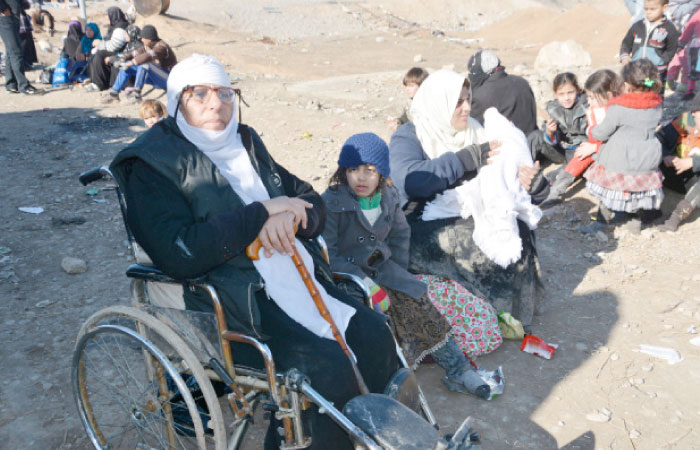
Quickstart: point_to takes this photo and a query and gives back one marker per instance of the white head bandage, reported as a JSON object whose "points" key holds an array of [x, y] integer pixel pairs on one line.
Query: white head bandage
{"points": [[197, 69]]}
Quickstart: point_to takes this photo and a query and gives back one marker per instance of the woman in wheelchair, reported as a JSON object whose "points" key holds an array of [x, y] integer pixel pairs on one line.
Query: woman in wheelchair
{"points": [[200, 187]]}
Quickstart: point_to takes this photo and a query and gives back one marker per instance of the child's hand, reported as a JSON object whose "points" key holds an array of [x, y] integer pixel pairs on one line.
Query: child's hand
{"points": [[668, 160], [682, 164], [96, 42], [551, 128], [585, 150], [625, 60]]}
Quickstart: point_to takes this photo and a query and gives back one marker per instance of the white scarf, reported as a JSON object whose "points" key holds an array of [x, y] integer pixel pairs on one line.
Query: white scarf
{"points": [[432, 109], [495, 198], [283, 283]]}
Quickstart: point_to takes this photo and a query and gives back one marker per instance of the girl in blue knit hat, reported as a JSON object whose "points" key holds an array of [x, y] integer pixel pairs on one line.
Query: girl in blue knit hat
{"points": [[368, 236]]}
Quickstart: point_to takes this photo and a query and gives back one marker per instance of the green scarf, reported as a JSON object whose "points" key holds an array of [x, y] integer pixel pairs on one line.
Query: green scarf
{"points": [[370, 202]]}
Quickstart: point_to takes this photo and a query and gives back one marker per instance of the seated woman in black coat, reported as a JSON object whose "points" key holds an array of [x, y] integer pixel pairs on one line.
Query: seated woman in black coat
{"points": [[441, 148], [200, 187]]}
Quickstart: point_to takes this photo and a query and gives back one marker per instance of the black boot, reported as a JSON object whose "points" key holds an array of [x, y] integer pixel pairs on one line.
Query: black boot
{"points": [[683, 210]]}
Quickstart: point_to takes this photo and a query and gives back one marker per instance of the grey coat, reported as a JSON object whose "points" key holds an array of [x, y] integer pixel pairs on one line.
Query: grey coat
{"points": [[352, 241], [631, 146]]}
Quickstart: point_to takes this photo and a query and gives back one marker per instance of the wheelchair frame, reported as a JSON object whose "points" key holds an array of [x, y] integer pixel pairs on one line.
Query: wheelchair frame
{"points": [[290, 393]]}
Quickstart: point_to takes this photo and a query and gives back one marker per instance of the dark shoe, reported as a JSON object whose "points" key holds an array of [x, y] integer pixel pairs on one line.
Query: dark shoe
{"points": [[12, 90], [31, 90]]}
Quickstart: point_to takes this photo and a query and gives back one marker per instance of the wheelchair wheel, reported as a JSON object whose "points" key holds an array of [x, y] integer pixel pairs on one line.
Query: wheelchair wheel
{"points": [[138, 385]]}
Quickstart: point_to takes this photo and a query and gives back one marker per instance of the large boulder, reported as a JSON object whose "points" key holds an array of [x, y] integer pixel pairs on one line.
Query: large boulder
{"points": [[560, 56]]}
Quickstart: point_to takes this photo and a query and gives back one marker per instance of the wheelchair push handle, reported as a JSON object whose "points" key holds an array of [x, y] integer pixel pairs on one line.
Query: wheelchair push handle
{"points": [[94, 174], [253, 250]]}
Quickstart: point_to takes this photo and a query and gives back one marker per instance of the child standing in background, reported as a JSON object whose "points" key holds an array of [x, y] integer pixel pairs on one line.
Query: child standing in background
{"points": [[411, 82], [600, 88], [687, 60], [152, 112], [626, 177], [565, 128], [368, 236], [654, 38]]}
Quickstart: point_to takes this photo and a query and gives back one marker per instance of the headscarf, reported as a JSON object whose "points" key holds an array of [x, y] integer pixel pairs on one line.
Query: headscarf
{"points": [[225, 149], [117, 19], [432, 109], [481, 65], [73, 38], [86, 42]]}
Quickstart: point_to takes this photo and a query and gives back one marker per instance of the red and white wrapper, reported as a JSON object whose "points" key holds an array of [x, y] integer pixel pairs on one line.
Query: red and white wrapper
{"points": [[536, 346]]}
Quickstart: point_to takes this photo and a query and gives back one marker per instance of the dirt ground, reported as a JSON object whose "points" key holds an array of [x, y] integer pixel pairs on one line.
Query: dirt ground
{"points": [[315, 72]]}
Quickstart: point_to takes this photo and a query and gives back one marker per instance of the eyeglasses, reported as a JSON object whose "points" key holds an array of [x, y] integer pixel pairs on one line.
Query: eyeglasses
{"points": [[202, 93]]}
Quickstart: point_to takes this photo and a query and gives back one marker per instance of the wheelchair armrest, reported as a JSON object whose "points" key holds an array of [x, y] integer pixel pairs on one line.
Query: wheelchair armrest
{"points": [[354, 279], [150, 273]]}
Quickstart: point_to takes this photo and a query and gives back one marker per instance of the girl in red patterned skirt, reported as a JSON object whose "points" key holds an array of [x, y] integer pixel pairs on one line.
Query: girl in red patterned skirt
{"points": [[625, 176]]}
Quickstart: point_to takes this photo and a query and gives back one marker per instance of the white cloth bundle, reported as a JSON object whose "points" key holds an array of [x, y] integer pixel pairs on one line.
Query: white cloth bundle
{"points": [[495, 198]]}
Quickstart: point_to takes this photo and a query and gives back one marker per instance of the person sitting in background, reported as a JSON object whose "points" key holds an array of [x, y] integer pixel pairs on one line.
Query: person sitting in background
{"points": [[151, 65], [411, 82], [152, 112], [492, 86], [92, 32], [114, 41], [680, 142]]}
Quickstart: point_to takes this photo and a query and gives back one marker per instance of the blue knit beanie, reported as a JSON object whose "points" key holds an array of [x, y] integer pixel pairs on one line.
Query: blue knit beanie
{"points": [[365, 148]]}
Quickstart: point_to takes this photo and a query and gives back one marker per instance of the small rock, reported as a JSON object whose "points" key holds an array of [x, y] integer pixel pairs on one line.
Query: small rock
{"points": [[581, 346], [44, 303], [598, 417], [418, 58], [588, 255], [634, 434], [561, 423], [379, 39], [601, 237], [614, 357], [73, 265]]}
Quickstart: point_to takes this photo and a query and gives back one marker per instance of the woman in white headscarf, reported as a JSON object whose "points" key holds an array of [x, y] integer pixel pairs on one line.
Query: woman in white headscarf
{"points": [[440, 149], [200, 187]]}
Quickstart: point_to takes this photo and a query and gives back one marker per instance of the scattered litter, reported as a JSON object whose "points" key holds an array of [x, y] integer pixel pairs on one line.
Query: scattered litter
{"points": [[691, 330], [99, 200], [92, 191], [31, 209], [536, 346], [44, 303], [695, 341], [510, 327], [495, 380], [5, 250], [670, 355], [305, 135]]}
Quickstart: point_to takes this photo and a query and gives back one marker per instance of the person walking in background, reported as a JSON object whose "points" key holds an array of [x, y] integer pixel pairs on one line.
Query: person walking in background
{"points": [[15, 81]]}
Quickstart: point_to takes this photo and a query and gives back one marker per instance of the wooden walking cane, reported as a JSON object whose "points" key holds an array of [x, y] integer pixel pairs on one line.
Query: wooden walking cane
{"points": [[252, 251]]}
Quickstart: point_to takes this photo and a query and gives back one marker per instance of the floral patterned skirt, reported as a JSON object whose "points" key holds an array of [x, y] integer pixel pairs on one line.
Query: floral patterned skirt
{"points": [[474, 321]]}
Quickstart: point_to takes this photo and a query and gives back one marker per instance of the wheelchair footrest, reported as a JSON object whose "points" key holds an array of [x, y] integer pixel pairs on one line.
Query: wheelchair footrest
{"points": [[391, 424]]}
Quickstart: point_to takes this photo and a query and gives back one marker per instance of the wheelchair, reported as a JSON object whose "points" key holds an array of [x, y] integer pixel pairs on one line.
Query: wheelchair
{"points": [[153, 375]]}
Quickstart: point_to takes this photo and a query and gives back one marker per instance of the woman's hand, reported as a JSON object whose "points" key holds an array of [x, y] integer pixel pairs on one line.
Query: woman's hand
{"points": [[277, 234], [585, 150], [551, 128], [526, 174], [296, 206], [682, 164], [96, 42]]}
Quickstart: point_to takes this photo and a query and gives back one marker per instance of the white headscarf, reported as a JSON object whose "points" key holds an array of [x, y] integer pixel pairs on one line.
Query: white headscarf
{"points": [[225, 148], [432, 109]]}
